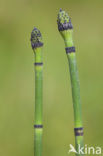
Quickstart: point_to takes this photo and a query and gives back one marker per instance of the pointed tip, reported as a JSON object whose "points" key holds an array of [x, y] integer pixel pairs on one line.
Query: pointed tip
{"points": [[35, 28], [60, 10]]}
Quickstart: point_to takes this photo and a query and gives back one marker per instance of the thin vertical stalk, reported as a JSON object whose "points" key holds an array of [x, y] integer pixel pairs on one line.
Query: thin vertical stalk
{"points": [[38, 127], [65, 27]]}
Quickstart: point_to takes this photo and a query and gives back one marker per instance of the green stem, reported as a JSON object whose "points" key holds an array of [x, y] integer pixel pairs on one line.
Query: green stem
{"points": [[65, 28], [76, 98], [75, 92], [38, 86], [36, 43], [38, 102]]}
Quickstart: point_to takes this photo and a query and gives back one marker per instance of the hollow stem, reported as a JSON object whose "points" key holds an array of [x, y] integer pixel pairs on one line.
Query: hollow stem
{"points": [[66, 29], [38, 54]]}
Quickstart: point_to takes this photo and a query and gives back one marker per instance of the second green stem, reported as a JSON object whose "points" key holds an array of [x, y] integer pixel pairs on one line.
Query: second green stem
{"points": [[75, 93]]}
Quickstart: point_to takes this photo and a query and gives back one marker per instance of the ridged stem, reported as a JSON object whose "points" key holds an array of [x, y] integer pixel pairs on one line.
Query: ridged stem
{"points": [[75, 91], [38, 102]]}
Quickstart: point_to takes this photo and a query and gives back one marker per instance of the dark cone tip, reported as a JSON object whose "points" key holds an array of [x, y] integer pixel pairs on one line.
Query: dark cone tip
{"points": [[36, 38], [64, 21]]}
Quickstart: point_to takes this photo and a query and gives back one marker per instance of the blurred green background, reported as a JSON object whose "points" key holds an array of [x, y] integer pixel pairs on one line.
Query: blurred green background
{"points": [[17, 19]]}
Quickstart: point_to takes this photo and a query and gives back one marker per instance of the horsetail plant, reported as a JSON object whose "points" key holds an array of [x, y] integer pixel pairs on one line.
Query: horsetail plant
{"points": [[37, 44], [66, 30]]}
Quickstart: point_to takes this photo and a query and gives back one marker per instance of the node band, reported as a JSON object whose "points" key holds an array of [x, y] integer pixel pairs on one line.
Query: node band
{"points": [[38, 126], [78, 131], [38, 63], [70, 49]]}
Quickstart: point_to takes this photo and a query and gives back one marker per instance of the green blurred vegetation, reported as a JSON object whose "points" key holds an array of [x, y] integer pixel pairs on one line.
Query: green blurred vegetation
{"points": [[17, 19]]}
